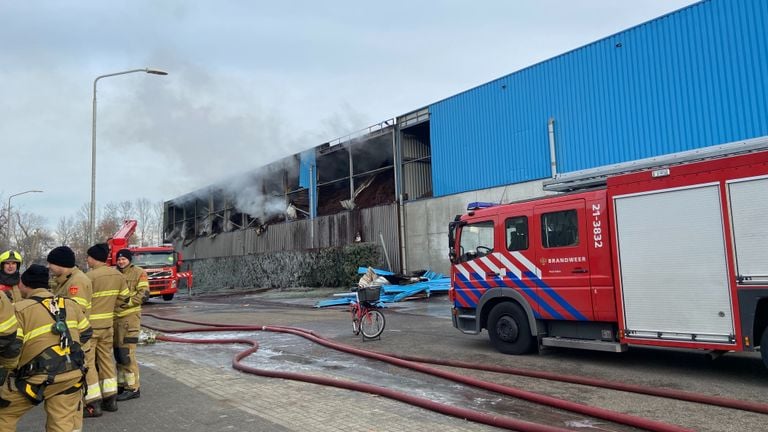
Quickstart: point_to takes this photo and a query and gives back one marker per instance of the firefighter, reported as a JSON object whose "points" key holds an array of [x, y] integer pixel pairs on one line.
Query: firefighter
{"points": [[9, 343], [51, 362], [9, 274], [109, 291], [128, 325], [69, 281]]}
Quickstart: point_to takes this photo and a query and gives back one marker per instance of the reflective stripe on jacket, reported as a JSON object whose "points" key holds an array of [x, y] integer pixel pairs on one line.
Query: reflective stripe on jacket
{"points": [[109, 291], [77, 286], [138, 288]]}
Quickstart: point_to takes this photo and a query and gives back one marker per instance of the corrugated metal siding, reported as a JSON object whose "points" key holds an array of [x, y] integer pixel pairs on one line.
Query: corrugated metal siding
{"points": [[330, 231], [382, 221], [417, 175], [413, 148], [417, 179], [690, 79]]}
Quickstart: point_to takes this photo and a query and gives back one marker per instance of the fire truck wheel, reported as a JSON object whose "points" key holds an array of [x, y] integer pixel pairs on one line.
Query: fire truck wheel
{"points": [[508, 329], [167, 297], [764, 347]]}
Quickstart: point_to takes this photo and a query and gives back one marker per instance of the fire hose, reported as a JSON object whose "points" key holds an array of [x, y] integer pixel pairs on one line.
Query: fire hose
{"points": [[416, 363]]}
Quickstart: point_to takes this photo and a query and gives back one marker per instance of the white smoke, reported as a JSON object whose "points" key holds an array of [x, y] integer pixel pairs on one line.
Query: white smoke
{"points": [[248, 198]]}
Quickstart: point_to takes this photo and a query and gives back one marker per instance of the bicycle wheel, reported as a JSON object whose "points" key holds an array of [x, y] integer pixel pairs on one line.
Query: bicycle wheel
{"points": [[355, 320], [372, 324]]}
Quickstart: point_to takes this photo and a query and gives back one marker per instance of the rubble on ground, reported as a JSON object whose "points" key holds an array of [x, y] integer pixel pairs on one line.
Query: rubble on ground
{"points": [[394, 287]]}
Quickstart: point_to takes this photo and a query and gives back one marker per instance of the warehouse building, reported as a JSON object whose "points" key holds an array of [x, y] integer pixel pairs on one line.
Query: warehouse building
{"points": [[688, 80]]}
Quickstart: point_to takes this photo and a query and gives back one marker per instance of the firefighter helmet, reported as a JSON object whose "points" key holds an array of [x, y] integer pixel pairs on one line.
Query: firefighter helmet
{"points": [[10, 256]]}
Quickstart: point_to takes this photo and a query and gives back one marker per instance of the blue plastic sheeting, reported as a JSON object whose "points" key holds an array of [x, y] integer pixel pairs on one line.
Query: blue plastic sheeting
{"points": [[434, 283], [307, 160], [364, 270]]}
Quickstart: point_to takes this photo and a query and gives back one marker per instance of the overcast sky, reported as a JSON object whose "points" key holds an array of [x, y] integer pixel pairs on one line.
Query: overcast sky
{"points": [[249, 81]]}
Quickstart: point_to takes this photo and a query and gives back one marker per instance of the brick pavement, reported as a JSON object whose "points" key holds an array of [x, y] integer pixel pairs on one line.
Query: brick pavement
{"points": [[298, 406], [165, 405], [185, 395]]}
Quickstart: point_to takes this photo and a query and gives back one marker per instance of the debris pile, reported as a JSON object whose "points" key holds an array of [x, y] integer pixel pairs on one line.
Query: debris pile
{"points": [[394, 287]]}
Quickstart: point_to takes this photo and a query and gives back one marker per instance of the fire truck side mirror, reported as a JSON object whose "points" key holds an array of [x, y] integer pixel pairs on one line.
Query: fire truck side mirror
{"points": [[452, 239], [452, 256]]}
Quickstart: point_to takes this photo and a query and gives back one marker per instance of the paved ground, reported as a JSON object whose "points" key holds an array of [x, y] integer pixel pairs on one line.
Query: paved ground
{"points": [[194, 396], [193, 388], [166, 405]]}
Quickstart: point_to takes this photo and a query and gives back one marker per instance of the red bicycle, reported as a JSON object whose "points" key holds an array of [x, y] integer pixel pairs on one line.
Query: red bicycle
{"points": [[366, 316]]}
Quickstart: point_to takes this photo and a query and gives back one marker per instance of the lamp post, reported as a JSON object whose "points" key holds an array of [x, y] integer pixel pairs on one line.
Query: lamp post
{"points": [[8, 217], [92, 213]]}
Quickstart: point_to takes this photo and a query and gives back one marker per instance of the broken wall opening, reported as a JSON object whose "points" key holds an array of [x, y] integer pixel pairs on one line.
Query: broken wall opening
{"points": [[373, 181], [416, 161]]}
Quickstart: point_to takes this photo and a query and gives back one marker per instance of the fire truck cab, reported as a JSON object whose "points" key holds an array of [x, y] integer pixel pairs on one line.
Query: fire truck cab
{"points": [[675, 256], [162, 263]]}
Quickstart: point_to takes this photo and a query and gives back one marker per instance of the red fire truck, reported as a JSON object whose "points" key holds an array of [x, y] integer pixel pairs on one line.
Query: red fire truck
{"points": [[675, 256], [162, 263]]}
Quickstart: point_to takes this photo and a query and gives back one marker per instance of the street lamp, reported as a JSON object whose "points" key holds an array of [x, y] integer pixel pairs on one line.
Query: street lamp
{"points": [[92, 214], [8, 217]]}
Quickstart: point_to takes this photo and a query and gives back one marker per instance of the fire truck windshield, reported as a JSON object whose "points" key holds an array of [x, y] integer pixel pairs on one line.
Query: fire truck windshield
{"points": [[153, 259]]}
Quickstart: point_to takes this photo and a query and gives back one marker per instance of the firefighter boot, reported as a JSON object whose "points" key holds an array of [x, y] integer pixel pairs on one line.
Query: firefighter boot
{"points": [[129, 394], [92, 409], [109, 403]]}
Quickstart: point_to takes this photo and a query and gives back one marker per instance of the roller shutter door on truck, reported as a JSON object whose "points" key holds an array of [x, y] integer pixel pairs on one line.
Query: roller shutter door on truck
{"points": [[673, 266], [749, 210]]}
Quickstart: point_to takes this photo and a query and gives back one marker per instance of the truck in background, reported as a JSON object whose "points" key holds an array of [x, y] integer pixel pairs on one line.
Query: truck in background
{"points": [[162, 263], [672, 256]]}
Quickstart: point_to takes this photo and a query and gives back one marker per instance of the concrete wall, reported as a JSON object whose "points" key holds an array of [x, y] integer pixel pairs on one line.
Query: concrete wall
{"points": [[426, 234]]}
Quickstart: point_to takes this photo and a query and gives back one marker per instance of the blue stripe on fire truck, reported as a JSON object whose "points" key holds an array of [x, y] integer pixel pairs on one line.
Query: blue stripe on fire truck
{"points": [[532, 294], [467, 299], [482, 282], [523, 288], [477, 285], [470, 287], [556, 297]]}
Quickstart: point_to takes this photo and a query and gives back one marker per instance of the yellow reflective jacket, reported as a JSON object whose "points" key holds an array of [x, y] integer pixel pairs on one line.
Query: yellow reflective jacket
{"points": [[8, 326], [138, 290], [76, 286], [12, 292], [35, 328], [109, 292]]}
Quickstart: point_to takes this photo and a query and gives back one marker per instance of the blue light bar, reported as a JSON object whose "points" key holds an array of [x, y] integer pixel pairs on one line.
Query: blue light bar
{"points": [[479, 205]]}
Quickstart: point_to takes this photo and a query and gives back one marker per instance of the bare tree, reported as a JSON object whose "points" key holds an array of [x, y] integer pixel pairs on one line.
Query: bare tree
{"points": [[157, 222], [66, 230], [125, 210], [79, 240], [5, 240], [32, 238], [143, 209], [109, 222]]}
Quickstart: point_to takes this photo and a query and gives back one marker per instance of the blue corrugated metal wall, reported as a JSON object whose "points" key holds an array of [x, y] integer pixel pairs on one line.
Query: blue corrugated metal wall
{"points": [[693, 78]]}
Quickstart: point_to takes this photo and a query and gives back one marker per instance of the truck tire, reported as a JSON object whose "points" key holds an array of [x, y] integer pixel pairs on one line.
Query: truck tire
{"points": [[508, 329], [167, 297], [764, 347]]}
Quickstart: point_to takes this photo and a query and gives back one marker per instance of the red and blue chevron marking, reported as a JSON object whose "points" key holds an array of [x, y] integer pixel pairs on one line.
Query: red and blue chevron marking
{"points": [[536, 292]]}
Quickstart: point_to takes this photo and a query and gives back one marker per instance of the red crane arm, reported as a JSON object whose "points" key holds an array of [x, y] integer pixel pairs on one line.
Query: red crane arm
{"points": [[120, 239]]}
